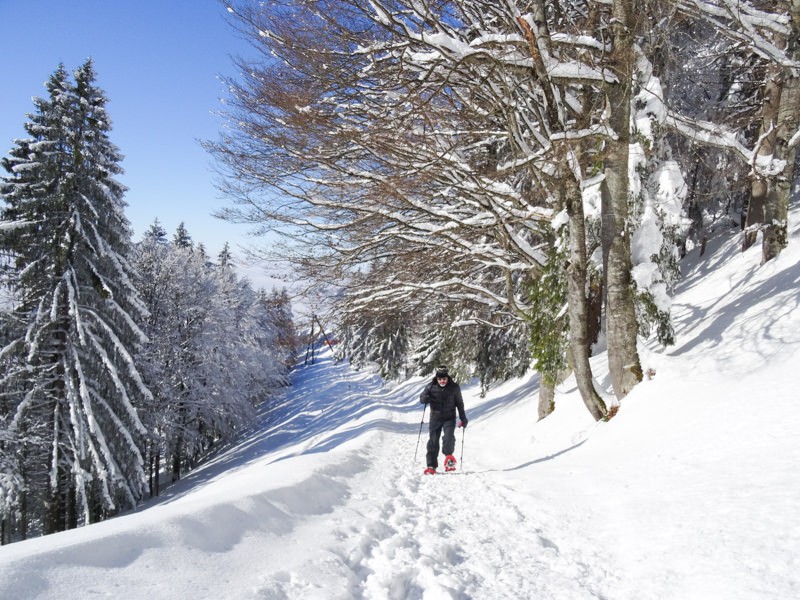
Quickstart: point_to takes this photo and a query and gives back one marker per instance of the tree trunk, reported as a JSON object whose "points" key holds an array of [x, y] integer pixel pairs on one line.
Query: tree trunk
{"points": [[595, 309], [158, 472], [54, 498], [23, 517], [578, 305], [621, 326], [776, 210], [755, 212], [176, 459], [780, 115], [150, 464], [547, 391], [154, 466], [547, 395], [761, 188], [56, 504], [70, 504]]}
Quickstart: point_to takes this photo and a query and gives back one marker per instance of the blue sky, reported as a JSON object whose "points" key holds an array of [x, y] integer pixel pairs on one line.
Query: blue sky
{"points": [[159, 62]]}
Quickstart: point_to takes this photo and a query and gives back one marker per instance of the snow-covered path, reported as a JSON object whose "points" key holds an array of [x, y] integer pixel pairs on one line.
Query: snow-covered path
{"points": [[399, 534], [465, 536], [325, 501]]}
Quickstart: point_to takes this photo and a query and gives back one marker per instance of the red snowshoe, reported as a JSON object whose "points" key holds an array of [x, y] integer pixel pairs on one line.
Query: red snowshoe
{"points": [[429, 471], [449, 463]]}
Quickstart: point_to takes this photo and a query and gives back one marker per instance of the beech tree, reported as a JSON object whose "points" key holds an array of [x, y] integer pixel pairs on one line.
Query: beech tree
{"points": [[403, 136]]}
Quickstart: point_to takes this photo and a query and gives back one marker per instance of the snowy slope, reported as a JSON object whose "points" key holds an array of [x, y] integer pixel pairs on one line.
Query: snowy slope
{"points": [[690, 492]]}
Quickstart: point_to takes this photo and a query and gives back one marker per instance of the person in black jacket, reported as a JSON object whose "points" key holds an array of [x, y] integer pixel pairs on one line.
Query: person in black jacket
{"points": [[444, 397]]}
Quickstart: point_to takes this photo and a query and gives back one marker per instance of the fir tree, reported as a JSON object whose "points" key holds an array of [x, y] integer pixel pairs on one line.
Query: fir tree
{"points": [[182, 239], [156, 233], [225, 258], [74, 383]]}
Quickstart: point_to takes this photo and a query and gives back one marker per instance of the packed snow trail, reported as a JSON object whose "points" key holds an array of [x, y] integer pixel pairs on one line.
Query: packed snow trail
{"points": [[450, 535], [536, 515], [460, 536]]}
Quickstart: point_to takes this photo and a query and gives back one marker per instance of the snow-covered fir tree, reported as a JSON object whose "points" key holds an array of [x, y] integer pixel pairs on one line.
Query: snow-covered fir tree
{"points": [[212, 356], [181, 238], [156, 232], [275, 310], [72, 388], [225, 258]]}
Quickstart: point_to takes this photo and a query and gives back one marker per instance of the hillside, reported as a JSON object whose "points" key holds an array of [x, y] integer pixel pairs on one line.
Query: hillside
{"points": [[690, 492]]}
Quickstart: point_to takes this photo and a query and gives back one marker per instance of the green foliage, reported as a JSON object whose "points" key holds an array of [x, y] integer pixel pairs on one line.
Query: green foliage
{"points": [[649, 316], [548, 319]]}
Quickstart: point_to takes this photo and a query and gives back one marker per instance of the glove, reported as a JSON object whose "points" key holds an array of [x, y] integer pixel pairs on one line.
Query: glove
{"points": [[463, 423]]}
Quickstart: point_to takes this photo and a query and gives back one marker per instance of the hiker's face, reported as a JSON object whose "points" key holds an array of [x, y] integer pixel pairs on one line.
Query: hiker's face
{"points": [[442, 381]]}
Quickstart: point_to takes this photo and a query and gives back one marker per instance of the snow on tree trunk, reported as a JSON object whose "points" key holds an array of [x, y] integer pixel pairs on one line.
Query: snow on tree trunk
{"points": [[769, 200], [776, 209]]}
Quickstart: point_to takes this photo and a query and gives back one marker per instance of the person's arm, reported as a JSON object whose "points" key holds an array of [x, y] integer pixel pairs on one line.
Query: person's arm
{"points": [[462, 414], [424, 397]]}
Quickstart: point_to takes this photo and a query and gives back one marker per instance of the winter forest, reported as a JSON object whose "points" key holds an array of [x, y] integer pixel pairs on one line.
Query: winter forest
{"points": [[494, 185], [122, 363]]}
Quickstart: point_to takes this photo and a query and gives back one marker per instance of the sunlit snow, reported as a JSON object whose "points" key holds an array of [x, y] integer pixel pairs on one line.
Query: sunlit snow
{"points": [[690, 492]]}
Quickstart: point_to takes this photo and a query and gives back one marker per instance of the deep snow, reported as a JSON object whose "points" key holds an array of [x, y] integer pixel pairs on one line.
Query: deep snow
{"points": [[692, 491]]}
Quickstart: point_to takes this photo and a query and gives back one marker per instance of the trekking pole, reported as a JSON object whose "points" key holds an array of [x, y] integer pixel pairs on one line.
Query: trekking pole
{"points": [[424, 406], [463, 435]]}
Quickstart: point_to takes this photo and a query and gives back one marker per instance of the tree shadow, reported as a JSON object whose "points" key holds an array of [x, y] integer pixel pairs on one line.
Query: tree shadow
{"points": [[547, 458], [774, 294], [309, 417]]}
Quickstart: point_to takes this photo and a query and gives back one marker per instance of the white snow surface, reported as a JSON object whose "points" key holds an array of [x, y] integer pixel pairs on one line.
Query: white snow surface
{"points": [[690, 492]]}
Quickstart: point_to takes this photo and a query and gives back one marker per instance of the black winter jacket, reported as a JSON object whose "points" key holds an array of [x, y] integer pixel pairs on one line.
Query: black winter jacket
{"points": [[444, 400]]}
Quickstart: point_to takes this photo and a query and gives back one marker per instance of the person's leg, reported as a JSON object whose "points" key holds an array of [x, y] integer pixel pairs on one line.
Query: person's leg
{"points": [[435, 431], [449, 439]]}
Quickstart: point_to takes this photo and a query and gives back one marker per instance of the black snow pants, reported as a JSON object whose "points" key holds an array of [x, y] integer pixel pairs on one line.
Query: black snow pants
{"points": [[437, 427]]}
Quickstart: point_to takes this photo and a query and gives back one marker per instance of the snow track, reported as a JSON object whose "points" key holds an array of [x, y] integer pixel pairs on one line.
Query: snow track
{"points": [[402, 535]]}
